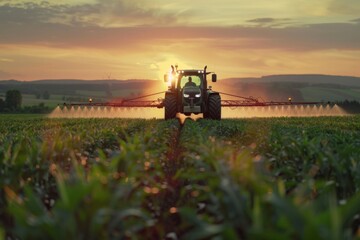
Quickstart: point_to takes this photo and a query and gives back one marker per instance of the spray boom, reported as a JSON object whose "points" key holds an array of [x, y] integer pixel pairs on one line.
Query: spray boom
{"points": [[204, 100]]}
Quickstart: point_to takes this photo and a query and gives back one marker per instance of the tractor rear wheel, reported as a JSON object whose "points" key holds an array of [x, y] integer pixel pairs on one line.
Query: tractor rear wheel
{"points": [[170, 107], [205, 115], [214, 107]]}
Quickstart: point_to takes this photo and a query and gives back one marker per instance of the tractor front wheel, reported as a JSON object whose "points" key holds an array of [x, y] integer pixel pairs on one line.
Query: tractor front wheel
{"points": [[214, 107], [170, 107]]}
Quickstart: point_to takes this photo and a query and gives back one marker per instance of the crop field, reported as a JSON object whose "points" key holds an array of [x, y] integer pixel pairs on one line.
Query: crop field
{"points": [[330, 94], [261, 178], [31, 100]]}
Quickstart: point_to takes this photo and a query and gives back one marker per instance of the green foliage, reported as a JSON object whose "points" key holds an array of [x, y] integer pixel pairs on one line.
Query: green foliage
{"points": [[284, 178], [46, 95], [13, 99], [2, 105]]}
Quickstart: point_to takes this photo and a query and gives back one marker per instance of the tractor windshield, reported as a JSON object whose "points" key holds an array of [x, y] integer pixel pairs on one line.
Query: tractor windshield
{"points": [[184, 80]]}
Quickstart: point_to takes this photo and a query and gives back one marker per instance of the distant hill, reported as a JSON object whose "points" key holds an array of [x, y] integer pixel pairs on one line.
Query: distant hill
{"points": [[305, 87], [76, 86], [312, 79], [76, 90], [308, 87]]}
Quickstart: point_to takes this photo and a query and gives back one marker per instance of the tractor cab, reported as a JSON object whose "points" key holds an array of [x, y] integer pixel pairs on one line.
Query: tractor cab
{"points": [[190, 85], [186, 78]]}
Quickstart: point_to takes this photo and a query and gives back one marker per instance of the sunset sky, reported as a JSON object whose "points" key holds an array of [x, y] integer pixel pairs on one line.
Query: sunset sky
{"points": [[127, 39]]}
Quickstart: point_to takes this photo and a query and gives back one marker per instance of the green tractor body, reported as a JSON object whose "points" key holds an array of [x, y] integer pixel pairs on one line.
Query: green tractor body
{"points": [[189, 93]]}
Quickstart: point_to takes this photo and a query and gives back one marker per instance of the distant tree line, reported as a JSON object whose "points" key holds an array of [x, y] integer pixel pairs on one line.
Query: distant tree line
{"points": [[350, 106], [43, 95], [81, 99], [13, 101]]}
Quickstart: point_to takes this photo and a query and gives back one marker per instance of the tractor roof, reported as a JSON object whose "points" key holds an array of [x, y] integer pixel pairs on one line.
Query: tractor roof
{"points": [[190, 71]]}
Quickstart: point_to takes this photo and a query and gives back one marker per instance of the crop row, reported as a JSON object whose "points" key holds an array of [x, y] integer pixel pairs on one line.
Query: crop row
{"points": [[85, 179], [274, 179], [149, 179]]}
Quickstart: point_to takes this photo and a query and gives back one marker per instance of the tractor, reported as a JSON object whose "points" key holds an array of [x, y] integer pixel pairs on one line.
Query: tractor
{"points": [[189, 93]]}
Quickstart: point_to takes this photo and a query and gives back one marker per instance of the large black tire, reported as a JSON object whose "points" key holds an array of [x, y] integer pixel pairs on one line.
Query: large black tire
{"points": [[170, 106], [214, 107], [205, 115]]}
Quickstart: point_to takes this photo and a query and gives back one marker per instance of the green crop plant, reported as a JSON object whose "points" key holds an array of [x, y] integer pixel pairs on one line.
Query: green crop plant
{"points": [[276, 178]]}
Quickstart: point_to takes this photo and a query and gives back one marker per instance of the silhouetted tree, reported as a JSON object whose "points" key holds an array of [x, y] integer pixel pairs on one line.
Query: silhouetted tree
{"points": [[2, 104], [41, 108], [350, 106], [13, 99]]}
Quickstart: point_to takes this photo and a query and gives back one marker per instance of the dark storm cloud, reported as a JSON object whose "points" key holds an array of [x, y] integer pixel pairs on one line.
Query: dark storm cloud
{"points": [[271, 22], [112, 12], [309, 37], [261, 20], [268, 20], [344, 36], [28, 13], [42, 25], [132, 10]]}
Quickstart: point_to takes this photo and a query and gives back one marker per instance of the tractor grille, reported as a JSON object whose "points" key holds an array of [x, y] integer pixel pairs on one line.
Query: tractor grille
{"points": [[192, 95]]}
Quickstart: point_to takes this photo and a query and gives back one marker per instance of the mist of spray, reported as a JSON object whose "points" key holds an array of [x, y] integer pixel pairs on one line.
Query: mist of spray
{"points": [[237, 112], [284, 111], [107, 112]]}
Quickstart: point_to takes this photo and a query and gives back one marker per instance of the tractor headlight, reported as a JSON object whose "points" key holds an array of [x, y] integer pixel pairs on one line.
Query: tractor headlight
{"points": [[198, 95], [186, 95]]}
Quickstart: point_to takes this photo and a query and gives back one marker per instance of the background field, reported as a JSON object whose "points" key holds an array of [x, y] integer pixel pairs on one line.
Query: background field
{"points": [[270, 88], [31, 100], [283, 178], [330, 94]]}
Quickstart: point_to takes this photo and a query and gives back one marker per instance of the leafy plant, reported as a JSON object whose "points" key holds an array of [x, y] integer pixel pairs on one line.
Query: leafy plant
{"points": [[280, 178]]}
